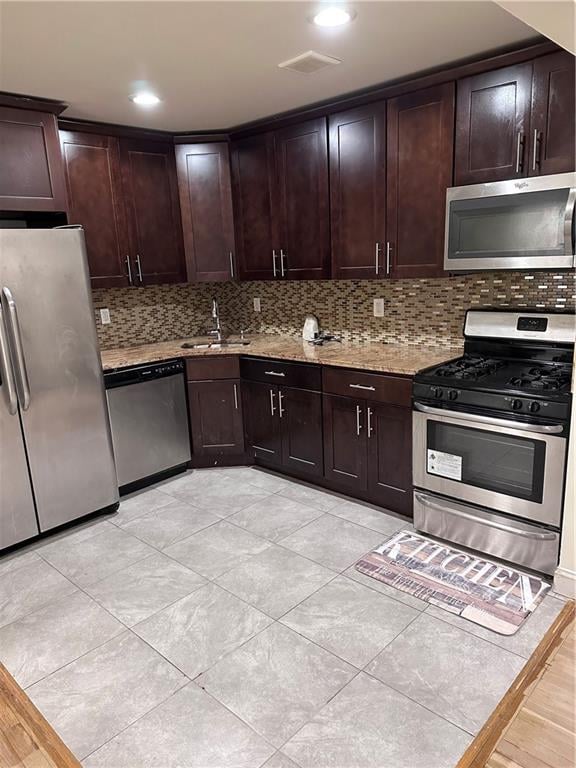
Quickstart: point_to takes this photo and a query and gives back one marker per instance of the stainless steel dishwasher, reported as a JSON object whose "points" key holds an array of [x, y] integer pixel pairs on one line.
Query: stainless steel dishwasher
{"points": [[149, 421]]}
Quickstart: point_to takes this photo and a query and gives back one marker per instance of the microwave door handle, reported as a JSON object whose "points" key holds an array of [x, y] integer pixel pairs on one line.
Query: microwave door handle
{"points": [[6, 369], [428, 502], [553, 429], [570, 224]]}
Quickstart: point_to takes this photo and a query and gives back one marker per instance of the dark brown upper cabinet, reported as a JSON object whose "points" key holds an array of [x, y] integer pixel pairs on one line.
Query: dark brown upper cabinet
{"points": [[31, 172], [255, 211], [206, 207], [492, 124], [92, 169], [281, 203], [357, 141], [153, 213], [420, 142], [552, 125], [301, 154]]}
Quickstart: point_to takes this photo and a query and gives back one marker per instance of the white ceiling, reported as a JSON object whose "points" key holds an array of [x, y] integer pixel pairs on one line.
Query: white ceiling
{"points": [[214, 64]]}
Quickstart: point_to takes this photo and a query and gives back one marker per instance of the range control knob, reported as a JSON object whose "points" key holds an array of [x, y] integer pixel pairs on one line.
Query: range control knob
{"points": [[452, 394], [516, 405], [534, 407], [437, 392]]}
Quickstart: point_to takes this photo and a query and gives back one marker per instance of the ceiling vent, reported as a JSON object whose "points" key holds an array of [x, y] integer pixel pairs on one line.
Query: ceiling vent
{"points": [[309, 62]]}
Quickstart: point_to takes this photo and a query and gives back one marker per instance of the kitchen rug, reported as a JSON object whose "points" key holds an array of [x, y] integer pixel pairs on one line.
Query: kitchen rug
{"points": [[493, 595]]}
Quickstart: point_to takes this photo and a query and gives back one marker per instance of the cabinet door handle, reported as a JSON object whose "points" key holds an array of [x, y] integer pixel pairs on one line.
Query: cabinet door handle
{"points": [[274, 373], [388, 259], [282, 257], [272, 406], [274, 256], [362, 386], [139, 265], [282, 411], [377, 266], [129, 270], [231, 257], [519, 152], [536, 149], [236, 396], [358, 424], [370, 427]]}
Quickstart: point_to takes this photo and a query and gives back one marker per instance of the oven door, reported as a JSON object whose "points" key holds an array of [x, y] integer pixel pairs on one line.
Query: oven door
{"points": [[483, 461]]}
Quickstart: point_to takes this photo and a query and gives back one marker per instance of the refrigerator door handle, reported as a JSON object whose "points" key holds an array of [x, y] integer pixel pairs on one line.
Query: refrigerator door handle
{"points": [[6, 369], [16, 338]]}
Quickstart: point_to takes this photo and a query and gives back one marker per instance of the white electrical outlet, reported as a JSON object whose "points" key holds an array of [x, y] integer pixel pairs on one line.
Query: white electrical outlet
{"points": [[257, 305], [378, 307], [105, 316]]}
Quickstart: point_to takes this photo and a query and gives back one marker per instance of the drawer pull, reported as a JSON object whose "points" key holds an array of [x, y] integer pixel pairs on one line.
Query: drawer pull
{"points": [[362, 386], [274, 373]]}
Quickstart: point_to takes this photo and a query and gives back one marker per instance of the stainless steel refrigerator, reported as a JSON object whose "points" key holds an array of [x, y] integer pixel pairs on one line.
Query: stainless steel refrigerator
{"points": [[56, 460]]}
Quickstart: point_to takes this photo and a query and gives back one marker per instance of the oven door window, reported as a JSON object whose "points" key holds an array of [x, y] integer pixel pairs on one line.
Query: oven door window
{"points": [[494, 461], [511, 226]]}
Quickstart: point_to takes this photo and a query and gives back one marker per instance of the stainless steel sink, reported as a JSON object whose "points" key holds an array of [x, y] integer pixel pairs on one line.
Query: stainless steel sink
{"points": [[213, 344]]}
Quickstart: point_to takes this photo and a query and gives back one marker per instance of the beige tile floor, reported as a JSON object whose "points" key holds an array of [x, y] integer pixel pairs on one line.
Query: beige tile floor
{"points": [[217, 621]]}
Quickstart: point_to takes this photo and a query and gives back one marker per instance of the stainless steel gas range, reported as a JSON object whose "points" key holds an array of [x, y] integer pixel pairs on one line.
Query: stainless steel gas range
{"points": [[490, 436]]}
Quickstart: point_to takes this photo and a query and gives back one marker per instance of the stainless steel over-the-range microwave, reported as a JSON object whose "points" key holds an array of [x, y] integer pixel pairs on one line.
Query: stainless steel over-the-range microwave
{"points": [[517, 224]]}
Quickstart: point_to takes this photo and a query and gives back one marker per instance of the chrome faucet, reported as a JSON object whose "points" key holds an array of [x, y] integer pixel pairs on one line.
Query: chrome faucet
{"points": [[217, 330]]}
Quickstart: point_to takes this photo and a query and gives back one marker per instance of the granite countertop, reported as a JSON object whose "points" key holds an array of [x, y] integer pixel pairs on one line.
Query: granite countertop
{"points": [[380, 357]]}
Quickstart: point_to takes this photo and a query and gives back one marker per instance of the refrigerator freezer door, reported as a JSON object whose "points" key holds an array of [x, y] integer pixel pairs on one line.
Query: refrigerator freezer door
{"points": [[65, 423], [17, 513]]}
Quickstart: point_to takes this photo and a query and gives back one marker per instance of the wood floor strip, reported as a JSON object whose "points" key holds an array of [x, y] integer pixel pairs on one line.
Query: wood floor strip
{"points": [[480, 750], [27, 740]]}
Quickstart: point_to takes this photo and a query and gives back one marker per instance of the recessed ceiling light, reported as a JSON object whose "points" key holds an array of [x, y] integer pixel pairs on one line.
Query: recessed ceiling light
{"points": [[333, 16], [145, 99]]}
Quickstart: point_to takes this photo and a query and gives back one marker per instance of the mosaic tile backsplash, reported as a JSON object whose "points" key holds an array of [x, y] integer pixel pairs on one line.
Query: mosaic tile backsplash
{"points": [[425, 311]]}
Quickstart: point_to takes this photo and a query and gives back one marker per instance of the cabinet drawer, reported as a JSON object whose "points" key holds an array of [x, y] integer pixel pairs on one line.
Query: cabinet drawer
{"points": [[301, 375], [205, 368], [368, 386]]}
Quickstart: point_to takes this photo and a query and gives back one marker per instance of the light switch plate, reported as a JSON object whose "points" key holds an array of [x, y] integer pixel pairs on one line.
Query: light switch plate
{"points": [[378, 307], [257, 305], [105, 316]]}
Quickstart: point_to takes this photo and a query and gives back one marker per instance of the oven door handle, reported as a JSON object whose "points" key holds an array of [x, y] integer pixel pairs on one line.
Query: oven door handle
{"points": [[427, 502], [553, 429]]}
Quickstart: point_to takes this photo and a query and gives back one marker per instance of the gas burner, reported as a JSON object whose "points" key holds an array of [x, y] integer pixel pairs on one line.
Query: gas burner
{"points": [[470, 367], [542, 378]]}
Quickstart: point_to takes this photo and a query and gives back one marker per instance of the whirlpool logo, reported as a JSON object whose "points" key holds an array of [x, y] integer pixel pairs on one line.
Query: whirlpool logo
{"points": [[521, 184]]}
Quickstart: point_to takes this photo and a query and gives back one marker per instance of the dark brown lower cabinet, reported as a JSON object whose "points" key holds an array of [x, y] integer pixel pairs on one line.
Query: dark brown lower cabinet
{"points": [[215, 408], [345, 457], [300, 415], [261, 423], [367, 450], [389, 437], [359, 446], [284, 427], [216, 417]]}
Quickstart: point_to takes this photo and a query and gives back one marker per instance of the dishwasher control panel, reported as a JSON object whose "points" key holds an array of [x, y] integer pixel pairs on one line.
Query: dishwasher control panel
{"points": [[140, 373]]}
